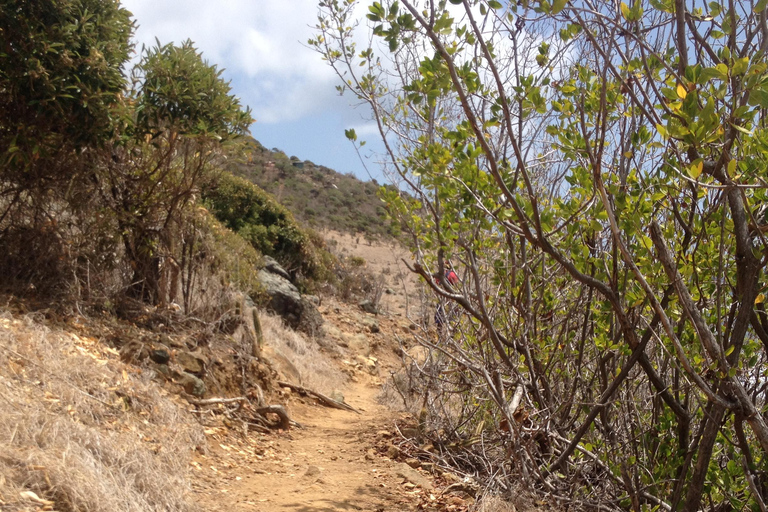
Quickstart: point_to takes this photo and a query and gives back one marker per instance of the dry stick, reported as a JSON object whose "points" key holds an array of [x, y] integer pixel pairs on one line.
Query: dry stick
{"points": [[285, 420], [327, 401], [214, 401]]}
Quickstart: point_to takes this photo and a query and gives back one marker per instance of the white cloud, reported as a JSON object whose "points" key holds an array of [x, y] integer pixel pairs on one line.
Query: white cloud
{"points": [[259, 42]]}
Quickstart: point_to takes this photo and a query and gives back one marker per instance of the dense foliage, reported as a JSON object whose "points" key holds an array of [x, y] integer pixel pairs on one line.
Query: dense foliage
{"points": [[595, 172], [99, 175]]}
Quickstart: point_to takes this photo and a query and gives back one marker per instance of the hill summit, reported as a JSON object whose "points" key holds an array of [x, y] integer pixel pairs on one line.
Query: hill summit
{"points": [[318, 196]]}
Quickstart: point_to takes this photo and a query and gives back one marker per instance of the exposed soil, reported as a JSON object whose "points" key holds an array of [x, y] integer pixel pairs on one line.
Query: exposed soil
{"points": [[339, 460], [328, 465]]}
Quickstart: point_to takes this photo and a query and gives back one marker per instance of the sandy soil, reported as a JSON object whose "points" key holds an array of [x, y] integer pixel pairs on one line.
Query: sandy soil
{"points": [[328, 465], [339, 460]]}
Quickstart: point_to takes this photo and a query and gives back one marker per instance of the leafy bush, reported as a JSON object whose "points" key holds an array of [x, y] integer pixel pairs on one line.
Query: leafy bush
{"points": [[268, 226]]}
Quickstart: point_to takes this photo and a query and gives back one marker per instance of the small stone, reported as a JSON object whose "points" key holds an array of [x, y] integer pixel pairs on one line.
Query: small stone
{"points": [[190, 363], [369, 307], [337, 395], [370, 454], [411, 475], [393, 451], [162, 370], [192, 384], [312, 471], [450, 477], [160, 356], [414, 463]]}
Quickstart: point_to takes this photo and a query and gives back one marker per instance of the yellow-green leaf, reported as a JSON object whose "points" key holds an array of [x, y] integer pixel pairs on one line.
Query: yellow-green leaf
{"points": [[732, 167], [760, 299], [662, 131], [624, 11], [681, 91], [694, 171]]}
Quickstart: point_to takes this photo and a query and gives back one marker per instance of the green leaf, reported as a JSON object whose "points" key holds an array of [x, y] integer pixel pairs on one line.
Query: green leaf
{"points": [[760, 6], [350, 134], [559, 5], [494, 4], [742, 129], [740, 66], [708, 74], [662, 131]]}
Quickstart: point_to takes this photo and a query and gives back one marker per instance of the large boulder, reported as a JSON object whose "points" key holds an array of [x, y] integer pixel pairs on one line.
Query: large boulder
{"points": [[285, 300]]}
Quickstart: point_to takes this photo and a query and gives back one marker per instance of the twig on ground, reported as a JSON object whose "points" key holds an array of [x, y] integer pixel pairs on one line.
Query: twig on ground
{"points": [[325, 400], [214, 401]]}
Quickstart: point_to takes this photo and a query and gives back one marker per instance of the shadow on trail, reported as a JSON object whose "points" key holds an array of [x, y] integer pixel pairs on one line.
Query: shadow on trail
{"points": [[367, 498]]}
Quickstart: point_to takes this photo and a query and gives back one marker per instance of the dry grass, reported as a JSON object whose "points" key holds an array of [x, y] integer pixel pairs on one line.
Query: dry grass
{"points": [[83, 430], [316, 368]]}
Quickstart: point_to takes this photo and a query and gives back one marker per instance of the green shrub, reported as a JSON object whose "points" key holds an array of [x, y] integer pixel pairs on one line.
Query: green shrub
{"points": [[267, 226]]}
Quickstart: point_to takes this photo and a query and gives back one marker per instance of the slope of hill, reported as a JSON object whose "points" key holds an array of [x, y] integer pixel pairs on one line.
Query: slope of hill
{"points": [[318, 196]]}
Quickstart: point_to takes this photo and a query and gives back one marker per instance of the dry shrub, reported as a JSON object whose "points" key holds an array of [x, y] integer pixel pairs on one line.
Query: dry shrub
{"points": [[517, 500], [316, 369], [495, 504], [85, 431]]}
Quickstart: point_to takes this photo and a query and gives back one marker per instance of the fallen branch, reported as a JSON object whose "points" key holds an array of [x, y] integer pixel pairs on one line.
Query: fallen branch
{"points": [[279, 411], [214, 401], [325, 400]]}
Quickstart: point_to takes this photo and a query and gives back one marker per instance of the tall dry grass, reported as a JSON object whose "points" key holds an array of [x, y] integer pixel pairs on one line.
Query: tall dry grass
{"points": [[83, 430], [315, 367]]}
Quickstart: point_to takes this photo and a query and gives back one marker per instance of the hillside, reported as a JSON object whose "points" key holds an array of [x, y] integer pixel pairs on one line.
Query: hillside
{"points": [[318, 197]]}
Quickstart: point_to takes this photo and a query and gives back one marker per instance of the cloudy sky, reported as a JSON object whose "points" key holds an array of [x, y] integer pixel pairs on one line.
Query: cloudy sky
{"points": [[262, 46]]}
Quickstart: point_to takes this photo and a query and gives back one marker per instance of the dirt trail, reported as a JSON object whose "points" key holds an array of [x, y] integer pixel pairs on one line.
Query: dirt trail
{"points": [[340, 460], [328, 465]]}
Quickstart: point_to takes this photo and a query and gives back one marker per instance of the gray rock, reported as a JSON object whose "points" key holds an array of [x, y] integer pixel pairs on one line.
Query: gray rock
{"points": [[162, 371], [311, 321], [160, 356], [191, 384], [271, 265], [368, 306], [411, 475], [286, 301], [337, 395]]}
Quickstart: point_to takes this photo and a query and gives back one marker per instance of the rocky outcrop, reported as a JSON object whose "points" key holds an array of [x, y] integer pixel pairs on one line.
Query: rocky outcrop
{"points": [[298, 312]]}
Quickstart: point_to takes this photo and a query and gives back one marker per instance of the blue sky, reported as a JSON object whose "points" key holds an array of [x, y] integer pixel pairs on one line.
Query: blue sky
{"points": [[262, 46]]}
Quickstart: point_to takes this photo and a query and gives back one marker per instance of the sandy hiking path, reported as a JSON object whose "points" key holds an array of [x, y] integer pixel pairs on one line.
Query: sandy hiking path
{"points": [[331, 464]]}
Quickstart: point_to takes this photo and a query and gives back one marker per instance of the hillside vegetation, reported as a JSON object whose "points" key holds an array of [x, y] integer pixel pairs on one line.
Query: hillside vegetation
{"points": [[319, 197]]}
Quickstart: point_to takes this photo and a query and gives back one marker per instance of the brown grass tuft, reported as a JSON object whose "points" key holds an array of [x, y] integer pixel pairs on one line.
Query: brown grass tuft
{"points": [[83, 430], [316, 369]]}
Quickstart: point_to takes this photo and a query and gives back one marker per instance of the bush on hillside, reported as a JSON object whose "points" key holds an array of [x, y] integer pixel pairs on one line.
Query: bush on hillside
{"points": [[267, 225]]}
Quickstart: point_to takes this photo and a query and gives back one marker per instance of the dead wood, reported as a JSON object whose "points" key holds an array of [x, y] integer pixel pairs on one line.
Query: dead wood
{"points": [[325, 400], [280, 412], [214, 401]]}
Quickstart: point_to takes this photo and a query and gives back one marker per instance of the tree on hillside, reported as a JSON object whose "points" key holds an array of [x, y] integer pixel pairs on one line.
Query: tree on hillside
{"points": [[595, 170], [61, 88], [185, 123]]}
